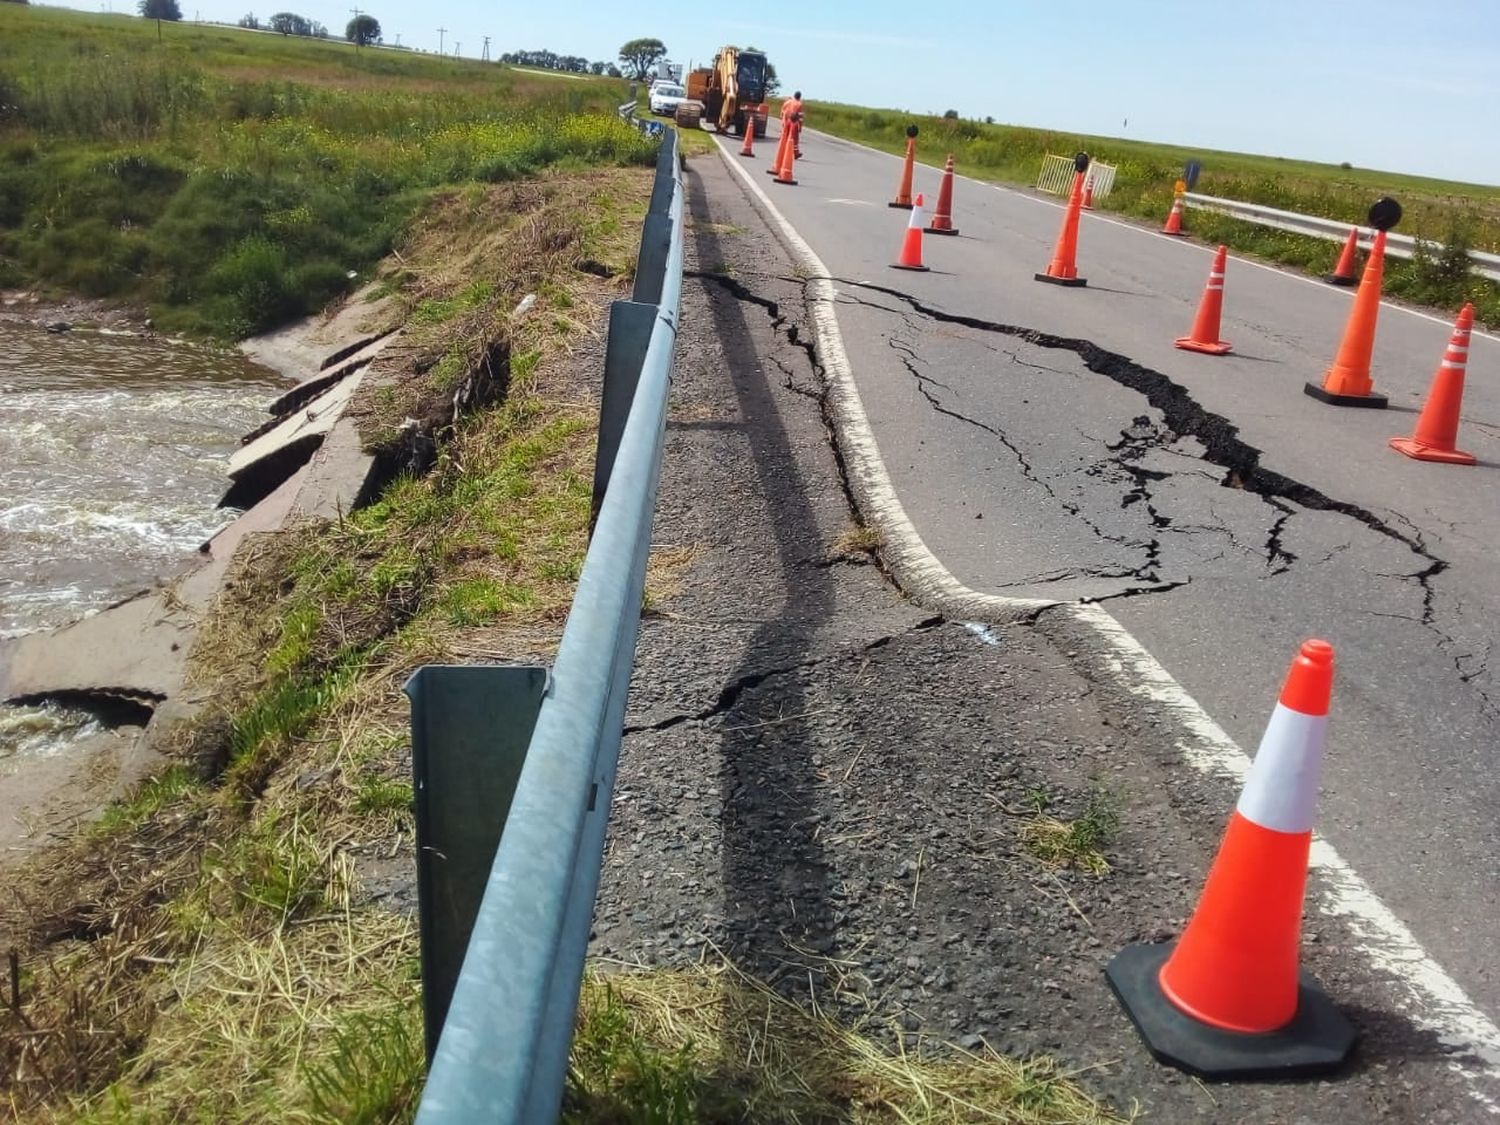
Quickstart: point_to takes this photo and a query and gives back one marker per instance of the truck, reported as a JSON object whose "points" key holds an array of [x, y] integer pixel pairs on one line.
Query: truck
{"points": [[732, 90]]}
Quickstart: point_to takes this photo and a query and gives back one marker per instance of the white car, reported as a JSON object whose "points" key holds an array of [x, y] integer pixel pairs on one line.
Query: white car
{"points": [[666, 97]]}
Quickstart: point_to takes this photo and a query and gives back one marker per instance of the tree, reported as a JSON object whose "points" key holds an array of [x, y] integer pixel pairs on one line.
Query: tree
{"points": [[640, 55], [161, 10], [290, 23], [597, 67], [950, 115], [613, 71], [249, 21], [362, 30]]}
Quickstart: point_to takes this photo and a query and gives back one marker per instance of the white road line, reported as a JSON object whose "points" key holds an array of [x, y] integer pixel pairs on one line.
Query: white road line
{"points": [[1433, 999], [1094, 216]]}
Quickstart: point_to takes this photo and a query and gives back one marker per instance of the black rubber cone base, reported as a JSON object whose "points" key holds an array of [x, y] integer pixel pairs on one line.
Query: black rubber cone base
{"points": [[1335, 279], [903, 206], [1071, 282], [942, 230], [1371, 401], [1317, 1041], [917, 269], [789, 183]]}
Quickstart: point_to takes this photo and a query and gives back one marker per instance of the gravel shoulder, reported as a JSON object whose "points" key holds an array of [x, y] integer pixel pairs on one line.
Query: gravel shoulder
{"points": [[831, 787]]}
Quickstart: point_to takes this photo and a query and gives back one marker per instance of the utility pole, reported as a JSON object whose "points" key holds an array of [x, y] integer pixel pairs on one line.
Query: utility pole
{"points": [[398, 39], [358, 31], [486, 56], [442, 31]]}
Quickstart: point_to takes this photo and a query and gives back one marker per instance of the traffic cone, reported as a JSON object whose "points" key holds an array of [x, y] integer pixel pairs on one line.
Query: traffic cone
{"points": [[788, 159], [911, 246], [942, 217], [1205, 334], [1174, 218], [1088, 193], [1227, 999], [1345, 273], [748, 149], [1347, 382], [1436, 434], [903, 191], [1063, 269], [781, 148]]}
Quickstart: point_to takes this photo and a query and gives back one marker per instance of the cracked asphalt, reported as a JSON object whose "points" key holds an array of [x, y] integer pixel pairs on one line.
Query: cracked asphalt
{"points": [[829, 785], [1051, 442]]}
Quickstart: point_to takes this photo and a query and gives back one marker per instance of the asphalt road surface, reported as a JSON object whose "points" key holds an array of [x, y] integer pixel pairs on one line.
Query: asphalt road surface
{"points": [[1051, 442]]}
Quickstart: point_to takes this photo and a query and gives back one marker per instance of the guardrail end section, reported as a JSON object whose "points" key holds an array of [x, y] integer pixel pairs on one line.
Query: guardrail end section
{"points": [[470, 727]]}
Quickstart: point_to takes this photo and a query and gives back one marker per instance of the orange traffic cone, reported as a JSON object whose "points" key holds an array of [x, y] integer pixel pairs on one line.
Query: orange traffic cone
{"points": [[942, 217], [748, 149], [1436, 434], [1205, 334], [781, 149], [1344, 273], [1174, 218], [903, 190], [1063, 269], [788, 159], [1088, 194], [1228, 1000], [911, 246], [1347, 382]]}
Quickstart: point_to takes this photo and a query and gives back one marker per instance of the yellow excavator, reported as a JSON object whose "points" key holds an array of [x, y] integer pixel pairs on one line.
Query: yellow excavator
{"points": [[732, 90]]}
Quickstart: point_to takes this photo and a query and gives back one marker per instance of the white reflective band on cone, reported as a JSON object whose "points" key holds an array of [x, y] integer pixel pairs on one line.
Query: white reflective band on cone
{"points": [[1281, 792]]}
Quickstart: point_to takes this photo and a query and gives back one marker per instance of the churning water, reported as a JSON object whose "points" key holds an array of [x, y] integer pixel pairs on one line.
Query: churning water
{"points": [[112, 457]]}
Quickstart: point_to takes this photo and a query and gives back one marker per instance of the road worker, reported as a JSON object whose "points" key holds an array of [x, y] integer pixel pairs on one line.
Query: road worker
{"points": [[791, 118]]}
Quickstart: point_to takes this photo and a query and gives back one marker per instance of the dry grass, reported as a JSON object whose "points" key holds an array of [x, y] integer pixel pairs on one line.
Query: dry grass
{"points": [[857, 541], [1077, 843], [712, 1045]]}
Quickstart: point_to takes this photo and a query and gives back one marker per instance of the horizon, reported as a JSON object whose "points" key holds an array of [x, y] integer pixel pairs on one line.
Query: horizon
{"points": [[1293, 83]]}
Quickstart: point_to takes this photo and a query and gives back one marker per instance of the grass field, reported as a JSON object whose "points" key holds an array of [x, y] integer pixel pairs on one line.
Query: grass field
{"points": [[235, 180], [1461, 216]]}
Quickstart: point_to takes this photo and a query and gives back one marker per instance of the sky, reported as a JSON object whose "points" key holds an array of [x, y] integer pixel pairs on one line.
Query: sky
{"points": [[1395, 86]]}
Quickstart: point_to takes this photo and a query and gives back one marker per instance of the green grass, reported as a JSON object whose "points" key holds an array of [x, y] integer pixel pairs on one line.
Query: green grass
{"points": [[171, 785], [1437, 211], [235, 181], [1078, 843]]}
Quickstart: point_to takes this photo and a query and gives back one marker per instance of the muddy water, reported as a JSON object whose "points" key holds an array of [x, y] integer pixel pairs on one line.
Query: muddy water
{"points": [[112, 456]]}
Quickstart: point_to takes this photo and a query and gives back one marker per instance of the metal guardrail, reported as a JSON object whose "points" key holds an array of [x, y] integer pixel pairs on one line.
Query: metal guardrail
{"points": [[539, 800], [650, 128], [1397, 245]]}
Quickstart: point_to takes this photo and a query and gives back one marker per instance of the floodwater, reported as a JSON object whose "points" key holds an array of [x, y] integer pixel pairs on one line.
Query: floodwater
{"points": [[112, 456]]}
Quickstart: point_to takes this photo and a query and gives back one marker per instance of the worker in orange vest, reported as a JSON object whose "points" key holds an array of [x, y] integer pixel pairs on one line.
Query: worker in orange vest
{"points": [[791, 118]]}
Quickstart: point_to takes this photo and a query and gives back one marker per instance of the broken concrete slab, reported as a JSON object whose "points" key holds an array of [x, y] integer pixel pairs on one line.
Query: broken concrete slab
{"points": [[261, 466], [318, 342]]}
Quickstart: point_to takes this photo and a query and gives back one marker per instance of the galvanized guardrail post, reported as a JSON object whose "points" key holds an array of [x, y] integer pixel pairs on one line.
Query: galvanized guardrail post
{"points": [[502, 1054]]}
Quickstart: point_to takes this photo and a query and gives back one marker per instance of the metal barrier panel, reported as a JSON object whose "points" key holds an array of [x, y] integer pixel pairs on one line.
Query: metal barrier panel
{"points": [[503, 1052], [1103, 177], [1056, 176]]}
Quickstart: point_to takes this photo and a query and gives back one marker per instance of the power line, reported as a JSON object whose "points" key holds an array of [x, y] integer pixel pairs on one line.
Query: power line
{"points": [[485, 57]]}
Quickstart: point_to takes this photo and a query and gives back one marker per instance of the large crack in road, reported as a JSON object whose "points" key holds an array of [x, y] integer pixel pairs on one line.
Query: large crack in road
{"points": [[1182, 418]]}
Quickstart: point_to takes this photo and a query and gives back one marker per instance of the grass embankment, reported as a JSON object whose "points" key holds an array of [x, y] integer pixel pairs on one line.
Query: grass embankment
{"points": [[218, 948], [235, 181], [1460, 216]]}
